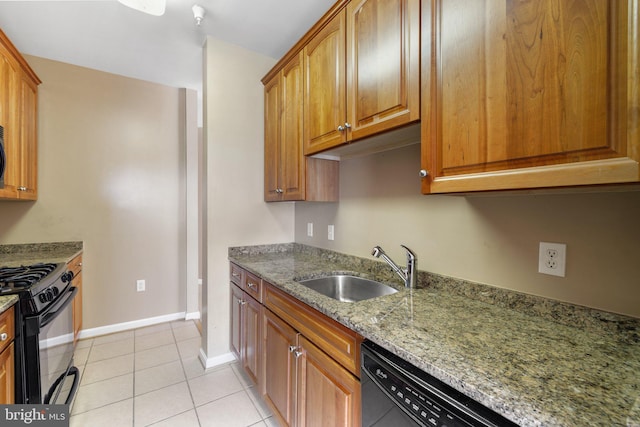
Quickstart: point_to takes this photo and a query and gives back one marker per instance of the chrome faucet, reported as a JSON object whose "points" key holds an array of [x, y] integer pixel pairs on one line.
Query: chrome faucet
{"points": [[407, 274]]}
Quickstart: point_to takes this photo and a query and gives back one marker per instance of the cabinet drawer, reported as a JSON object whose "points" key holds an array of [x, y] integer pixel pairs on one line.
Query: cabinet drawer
{"points": [[338, 341], [7, 328], [236, 275], [253, 285]]}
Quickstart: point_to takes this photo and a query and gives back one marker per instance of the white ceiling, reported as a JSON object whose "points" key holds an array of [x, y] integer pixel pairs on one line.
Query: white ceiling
{"points": [[106, 35]]}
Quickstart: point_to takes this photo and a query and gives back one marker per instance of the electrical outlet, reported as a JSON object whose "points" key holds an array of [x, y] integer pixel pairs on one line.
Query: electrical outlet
{"points": [[140, 285], [330, 232], [309, 229], [552, 258]]}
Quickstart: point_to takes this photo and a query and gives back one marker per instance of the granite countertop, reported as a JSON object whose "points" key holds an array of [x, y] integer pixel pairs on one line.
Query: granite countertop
{"points": [[34, 253], [535, 361]]}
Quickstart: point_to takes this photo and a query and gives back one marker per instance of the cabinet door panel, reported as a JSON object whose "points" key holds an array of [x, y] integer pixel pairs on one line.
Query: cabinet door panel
{"points": [[7, 394], [235, 341], [28, 140], [382, 64], [324, 101], [279, 364], [272, 104], [538, 94], [252, 318], [328, 395], [292, 159]]}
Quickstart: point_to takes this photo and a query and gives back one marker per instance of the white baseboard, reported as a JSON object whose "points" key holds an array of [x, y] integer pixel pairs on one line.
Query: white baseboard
{"points": [[119, 327], [215, 361], [192, 316]]}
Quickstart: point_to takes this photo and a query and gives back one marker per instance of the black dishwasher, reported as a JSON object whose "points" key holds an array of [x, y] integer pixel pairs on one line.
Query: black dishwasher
{"points": [[395, 393]]}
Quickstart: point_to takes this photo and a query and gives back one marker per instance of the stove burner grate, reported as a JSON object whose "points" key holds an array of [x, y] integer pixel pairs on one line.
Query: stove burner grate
{"points": [[19, 277]]}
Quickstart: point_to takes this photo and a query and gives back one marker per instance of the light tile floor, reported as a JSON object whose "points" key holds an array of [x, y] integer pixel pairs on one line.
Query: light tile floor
{"points": [[152, 376]]}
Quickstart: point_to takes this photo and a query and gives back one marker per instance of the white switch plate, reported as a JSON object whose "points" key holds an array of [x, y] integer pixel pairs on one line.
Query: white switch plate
{"points": [[552, 258], [140, 285], [309, 229], [330, 232]]}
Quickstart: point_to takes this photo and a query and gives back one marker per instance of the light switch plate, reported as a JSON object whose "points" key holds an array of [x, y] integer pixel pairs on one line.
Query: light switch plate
{"points": [[330, 232]]}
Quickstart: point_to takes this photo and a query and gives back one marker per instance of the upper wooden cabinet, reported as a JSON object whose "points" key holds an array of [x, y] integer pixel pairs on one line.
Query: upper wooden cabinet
{"points": [[288, 175], [19, 117], [529, 94], [362, 73]]}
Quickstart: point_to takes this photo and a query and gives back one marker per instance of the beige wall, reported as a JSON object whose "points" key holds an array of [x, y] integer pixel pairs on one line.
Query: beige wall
{"points": [[236, 213], [110, 174], [491, 239]]}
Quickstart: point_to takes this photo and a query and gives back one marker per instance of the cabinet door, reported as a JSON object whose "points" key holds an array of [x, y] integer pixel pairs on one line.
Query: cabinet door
{"points": [[28, 140], [9, 97], [328, 395], [292, 164], [235, 342], [279, 363], [324, 88], [7, 395], [251, 337], [383, 65], [272, 105], [529, 94]]}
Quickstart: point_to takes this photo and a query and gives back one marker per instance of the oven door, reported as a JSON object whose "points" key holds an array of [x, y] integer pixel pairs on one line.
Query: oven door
{"points": [[57, 378]]}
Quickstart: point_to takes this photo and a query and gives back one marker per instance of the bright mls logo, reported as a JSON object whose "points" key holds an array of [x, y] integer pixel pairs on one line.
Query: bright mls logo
{"points": [[34, 415]]}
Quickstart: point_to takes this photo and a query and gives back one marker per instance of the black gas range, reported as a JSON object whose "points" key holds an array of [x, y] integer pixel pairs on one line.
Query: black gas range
{"points": [[44, 339]]}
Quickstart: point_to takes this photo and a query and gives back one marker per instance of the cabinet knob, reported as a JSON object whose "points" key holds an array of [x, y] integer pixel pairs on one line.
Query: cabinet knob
{"points": [[347, 125], [22, 188], [3, 336], [252, 285], [297, 354], [279, 190], [241, 302], [424, 173], [341, 128]]}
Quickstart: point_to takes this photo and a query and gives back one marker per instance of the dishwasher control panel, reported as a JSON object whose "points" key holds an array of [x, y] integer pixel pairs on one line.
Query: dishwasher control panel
{"points": [[424, 399]]}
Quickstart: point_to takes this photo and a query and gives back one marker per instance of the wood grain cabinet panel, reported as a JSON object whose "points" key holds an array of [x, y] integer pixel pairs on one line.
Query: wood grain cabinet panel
{"points": [[279, 367], [19, 118], [328, 395], [75, 266], [7, 354], [529, 94], [245, 332], [362, 73], [289, 175]]}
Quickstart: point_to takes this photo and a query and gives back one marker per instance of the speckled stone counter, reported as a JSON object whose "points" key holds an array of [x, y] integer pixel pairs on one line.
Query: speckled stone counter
{"points": [[535, 361], [33, 253], [6, 301]]}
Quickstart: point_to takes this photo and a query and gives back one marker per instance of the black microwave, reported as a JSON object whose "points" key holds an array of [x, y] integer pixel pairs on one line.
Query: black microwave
{"points": [[3, 157]]}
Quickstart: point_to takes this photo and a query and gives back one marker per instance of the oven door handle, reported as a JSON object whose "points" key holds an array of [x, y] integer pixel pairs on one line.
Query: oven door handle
{"points": [[72, 392], [49, 316]]}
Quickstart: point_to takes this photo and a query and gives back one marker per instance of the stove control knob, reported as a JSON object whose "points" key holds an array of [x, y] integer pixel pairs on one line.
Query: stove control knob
{"points": [[42, 298], [67, 277], [49, 295], [55, 292]]}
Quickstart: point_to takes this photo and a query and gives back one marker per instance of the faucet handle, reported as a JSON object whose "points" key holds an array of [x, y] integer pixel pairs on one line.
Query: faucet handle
{"points": [[410, 254]]}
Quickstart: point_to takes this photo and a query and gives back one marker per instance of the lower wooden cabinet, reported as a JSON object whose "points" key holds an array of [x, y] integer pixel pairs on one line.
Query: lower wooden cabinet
{"points": [[304, 364], [75, 266], [7, 334], [279, 367], [327, 394], [246, 318]]}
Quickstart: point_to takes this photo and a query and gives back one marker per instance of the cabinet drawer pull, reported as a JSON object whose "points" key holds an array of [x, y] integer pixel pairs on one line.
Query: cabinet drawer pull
{"points": [[22, 188], [236, 275], [252, 285], [292, 348], [3, 336]]}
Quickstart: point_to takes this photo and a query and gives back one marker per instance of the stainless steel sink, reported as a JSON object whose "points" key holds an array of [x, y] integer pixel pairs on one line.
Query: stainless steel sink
{"points": [[348, 288]]}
